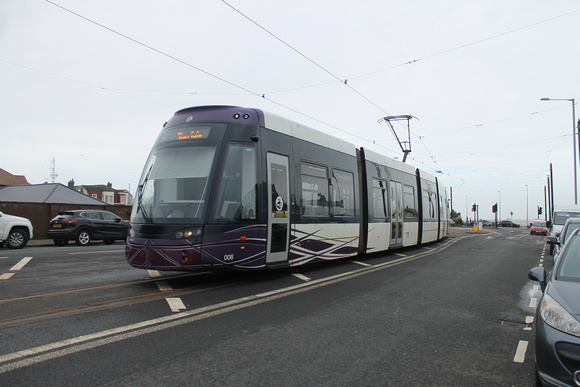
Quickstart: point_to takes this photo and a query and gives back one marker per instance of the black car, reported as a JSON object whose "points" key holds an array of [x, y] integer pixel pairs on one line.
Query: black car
{"points": [[83, 226], [509, 223], [557, 355]]}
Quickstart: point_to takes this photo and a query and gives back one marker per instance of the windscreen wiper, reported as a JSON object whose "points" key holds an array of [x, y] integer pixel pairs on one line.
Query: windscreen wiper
{"points": [[140, 191]]}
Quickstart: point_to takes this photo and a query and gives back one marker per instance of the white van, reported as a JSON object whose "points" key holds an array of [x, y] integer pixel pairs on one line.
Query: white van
{"points": [[559, 218]]}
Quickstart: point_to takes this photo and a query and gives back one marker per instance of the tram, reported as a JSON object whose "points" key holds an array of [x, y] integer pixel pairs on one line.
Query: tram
{"points": [[228, 187]]}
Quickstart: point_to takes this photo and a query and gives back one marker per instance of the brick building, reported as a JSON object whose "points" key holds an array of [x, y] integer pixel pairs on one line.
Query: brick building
{"points": [[105, 193], [42, 202]]}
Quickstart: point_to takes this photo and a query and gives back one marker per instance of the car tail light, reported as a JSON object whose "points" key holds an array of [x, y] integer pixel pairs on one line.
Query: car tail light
{"points": [[70, 221]]}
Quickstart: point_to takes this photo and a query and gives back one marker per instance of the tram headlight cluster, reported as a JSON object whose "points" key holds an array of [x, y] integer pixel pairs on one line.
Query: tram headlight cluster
{"points": [[189, 233]]}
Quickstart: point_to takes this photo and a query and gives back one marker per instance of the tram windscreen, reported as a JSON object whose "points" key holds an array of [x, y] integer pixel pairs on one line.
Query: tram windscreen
{"points": [[174, 187]]}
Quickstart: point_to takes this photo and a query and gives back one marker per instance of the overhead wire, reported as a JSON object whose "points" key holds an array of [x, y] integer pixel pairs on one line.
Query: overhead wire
{"points": [[172, 57]]}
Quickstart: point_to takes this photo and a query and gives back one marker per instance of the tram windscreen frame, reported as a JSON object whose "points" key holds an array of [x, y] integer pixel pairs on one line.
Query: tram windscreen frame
{"points": [[176, 181]]}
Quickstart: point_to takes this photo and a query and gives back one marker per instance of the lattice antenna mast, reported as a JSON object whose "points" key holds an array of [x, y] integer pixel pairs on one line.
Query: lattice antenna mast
{"points": [[405, 145], [53, 174]]}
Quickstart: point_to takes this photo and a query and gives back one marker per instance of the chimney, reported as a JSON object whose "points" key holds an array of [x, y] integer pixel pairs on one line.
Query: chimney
{"points": [[71, 183]]}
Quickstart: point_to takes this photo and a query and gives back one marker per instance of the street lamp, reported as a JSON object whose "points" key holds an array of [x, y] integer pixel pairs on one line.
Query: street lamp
{"points": [[573, 138], [527, 206], [499, 206]]}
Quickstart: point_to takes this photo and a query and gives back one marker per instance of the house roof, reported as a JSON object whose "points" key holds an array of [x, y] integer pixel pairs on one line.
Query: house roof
{"points": [[6, 178], [99, 188], [54, 193]]}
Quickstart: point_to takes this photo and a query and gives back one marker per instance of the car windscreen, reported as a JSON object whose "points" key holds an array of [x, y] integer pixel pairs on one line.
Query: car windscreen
{"points": [[561, 217], [62, 216], [569, 261]]}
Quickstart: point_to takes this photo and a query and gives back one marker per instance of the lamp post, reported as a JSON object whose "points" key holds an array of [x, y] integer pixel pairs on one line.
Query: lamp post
{"points": [[573, 138], [499, 206], [527, 206]]}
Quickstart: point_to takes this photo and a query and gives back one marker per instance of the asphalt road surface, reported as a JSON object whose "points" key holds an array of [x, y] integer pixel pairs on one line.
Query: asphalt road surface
{"points": [[452, 313]]}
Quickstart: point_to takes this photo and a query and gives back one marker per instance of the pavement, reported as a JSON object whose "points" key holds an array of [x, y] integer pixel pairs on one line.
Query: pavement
{"points": [[40, 242]]}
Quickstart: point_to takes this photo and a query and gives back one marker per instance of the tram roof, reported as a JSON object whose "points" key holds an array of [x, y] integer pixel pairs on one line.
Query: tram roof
{"points": [[389, 162], [303, 132]]}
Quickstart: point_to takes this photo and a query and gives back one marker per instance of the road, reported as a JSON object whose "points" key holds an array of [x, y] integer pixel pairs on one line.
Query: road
{"points": [[455, 312]]}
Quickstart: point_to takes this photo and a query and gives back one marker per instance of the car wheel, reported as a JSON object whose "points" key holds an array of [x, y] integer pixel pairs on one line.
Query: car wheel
{"points": [[109, 241], [60, 242], [17, 239], [83, 238]]}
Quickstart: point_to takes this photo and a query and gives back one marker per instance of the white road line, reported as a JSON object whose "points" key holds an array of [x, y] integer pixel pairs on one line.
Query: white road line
{"points": [[529, 319], [154, 273], [400, 255], [302, 277], [27, 357], [5, 276], [163, 286], [536, 288], [21, 264], [533, 302], [175, 304], [521, 351], [361, 263]]}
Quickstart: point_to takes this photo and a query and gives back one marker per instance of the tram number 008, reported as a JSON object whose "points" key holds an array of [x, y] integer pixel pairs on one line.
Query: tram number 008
{"points": [[228, 257]]}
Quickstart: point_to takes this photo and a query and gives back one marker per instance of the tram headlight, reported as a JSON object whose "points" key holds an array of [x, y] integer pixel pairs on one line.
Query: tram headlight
{"points": [[189, 233]]}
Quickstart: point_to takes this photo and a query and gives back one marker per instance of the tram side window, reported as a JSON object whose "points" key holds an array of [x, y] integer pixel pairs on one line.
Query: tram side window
{"points": [[343, 193], [409, 202], [429, 204], [236, 198], [315, 199], [379, 199]]}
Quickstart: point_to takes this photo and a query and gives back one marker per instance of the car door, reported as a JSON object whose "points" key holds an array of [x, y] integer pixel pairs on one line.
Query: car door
{"points": [[114, 226]]}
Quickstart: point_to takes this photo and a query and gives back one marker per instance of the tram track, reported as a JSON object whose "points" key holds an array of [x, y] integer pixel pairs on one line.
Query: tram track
{"points": [[90, 307]]}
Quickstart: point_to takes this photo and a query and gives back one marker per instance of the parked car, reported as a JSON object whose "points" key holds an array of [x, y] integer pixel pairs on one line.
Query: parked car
{"points": [[559, 218], [509, 223], [557, 326], [557, 241], [539, 228], [15, 231], [83, 226]]}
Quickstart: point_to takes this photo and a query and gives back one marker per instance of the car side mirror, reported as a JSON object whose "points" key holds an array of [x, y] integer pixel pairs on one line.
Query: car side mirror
{"points": [[538, 274], [117, 220], [553, 240]]}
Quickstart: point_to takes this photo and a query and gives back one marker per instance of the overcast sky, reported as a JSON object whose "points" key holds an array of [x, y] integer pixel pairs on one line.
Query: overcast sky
{"points": [[90, 84]]}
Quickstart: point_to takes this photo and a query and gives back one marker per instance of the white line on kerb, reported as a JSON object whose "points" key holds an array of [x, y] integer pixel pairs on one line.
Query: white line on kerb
{"points": [[533, 302], [21, 264], [154, 273], [521, 351]]}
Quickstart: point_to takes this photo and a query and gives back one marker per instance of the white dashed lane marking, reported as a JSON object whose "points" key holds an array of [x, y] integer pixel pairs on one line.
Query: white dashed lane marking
{"points": [[175, 304], [21, 264], [521, 351]]}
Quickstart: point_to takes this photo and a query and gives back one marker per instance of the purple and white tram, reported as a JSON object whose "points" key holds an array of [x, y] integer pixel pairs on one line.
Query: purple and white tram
{"points": [[237, 188]]}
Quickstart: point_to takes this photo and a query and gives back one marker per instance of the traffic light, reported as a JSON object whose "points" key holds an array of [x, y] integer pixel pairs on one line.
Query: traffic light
{"points": [[494, 208], [540, 211], [473, 208]]}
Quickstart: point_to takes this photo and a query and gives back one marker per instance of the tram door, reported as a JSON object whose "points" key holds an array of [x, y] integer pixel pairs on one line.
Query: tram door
{"points": [[396, 189], [278, 208]]}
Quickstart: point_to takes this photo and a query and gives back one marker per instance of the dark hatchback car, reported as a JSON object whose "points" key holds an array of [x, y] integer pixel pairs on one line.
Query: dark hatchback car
{"points": [[509, 223], [83, 226], [557, 324]]}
